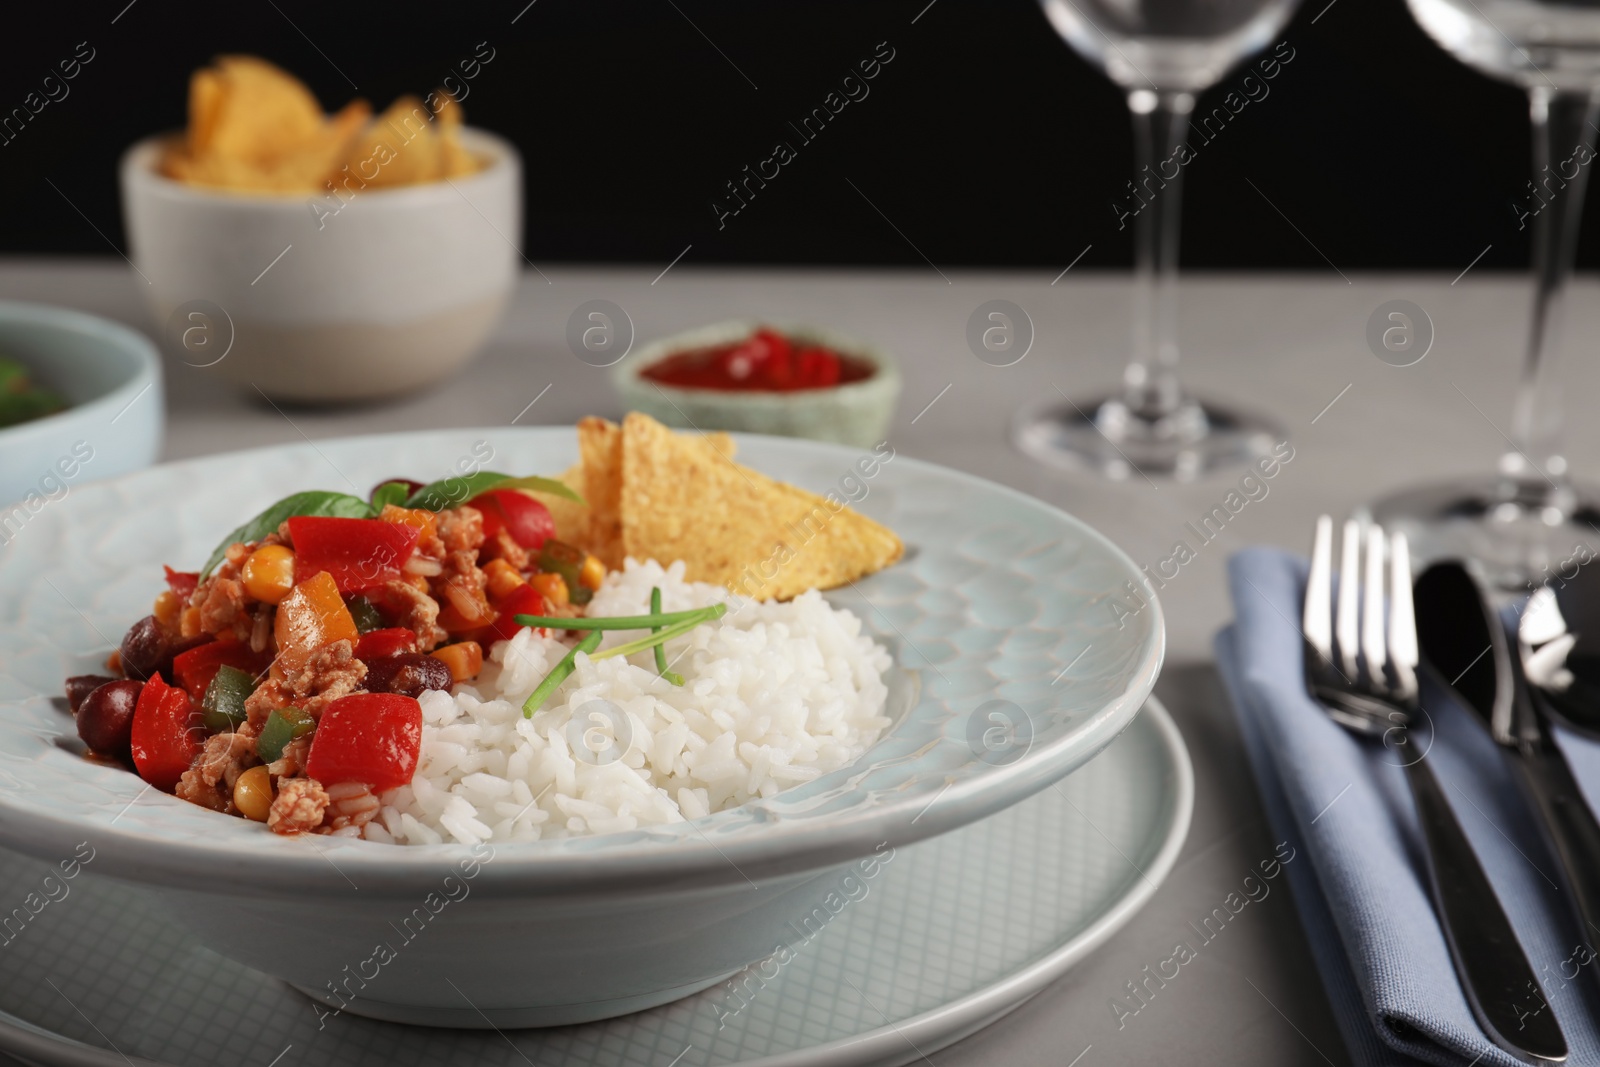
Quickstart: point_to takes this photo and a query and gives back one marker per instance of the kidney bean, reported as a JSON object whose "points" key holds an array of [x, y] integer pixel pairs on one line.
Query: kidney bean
{"points": [[105, 718], [148, 649], [409, 674], [81, 686]]}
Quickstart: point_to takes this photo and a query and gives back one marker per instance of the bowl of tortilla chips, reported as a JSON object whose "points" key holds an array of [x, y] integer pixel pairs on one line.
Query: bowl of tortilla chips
{"points": [[317, 257]]}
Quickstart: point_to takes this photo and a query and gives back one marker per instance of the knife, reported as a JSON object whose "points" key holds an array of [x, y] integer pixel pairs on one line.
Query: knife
{"points": [[1462, 637]]}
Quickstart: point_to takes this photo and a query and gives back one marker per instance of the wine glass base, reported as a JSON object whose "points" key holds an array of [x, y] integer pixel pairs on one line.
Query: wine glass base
{"points": [[1521, 533], [1111, 439]]}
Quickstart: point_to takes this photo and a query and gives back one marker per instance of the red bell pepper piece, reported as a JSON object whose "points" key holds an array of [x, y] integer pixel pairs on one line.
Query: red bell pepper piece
{"points": [[182, 583], [390, 641], [527, 520], [373, 738], [168, 730], [358, 553], [194, 669], [523, 600]]}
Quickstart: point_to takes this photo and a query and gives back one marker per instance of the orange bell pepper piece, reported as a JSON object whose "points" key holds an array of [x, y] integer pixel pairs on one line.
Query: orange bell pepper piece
{"points": [[312, 615]]}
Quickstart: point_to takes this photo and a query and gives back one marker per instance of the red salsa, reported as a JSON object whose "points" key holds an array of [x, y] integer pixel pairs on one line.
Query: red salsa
{"points": [[765, 361]]}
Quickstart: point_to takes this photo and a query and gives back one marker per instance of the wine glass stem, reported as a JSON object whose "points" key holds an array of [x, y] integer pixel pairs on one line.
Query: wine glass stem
{"points": [[1160, 125], [1563, 149]]}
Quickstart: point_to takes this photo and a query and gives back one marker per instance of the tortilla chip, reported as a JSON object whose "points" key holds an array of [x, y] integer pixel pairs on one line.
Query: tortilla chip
{"points": [[455, 159], [402, 146], [600, 450], [683, 497], [254, 126], [206, 97], [334, 143], [257, 113], [600, 446]]}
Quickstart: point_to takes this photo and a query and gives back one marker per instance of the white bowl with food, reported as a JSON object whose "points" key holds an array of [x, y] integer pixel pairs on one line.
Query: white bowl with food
{"points": [[519, 844], [341, 283], [80, 399]]}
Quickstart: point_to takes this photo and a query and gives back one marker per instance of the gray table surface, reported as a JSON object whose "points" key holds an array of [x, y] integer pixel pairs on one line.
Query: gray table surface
{"points": [[1289, 346]]}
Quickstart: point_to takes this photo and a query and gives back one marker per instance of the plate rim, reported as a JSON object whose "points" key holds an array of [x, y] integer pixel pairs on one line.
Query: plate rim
{"points": [[537, 867], [883, 1046], [948, 1023]]}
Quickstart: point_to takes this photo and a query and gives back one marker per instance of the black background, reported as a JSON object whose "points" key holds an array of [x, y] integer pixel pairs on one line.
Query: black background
{"points": [[985, 142]]}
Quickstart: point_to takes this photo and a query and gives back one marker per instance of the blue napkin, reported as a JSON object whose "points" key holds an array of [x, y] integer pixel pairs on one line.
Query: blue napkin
{"points": [[1358, 879]]}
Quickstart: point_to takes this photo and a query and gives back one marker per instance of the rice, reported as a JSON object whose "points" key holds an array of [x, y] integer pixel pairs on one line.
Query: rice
{"points": [[774, 694]]}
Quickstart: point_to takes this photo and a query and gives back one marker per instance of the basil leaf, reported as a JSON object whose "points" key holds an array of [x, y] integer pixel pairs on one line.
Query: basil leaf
{"points": [[542, 485], [314, 502], [388, 493], [459, 488], [453, 491]]}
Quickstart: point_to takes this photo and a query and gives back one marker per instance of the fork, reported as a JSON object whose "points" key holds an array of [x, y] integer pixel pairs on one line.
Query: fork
{"points": [[1361, 664]]}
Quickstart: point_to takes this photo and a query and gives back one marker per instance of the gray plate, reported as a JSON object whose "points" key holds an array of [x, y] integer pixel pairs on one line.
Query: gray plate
{"points": [[949, 935]]}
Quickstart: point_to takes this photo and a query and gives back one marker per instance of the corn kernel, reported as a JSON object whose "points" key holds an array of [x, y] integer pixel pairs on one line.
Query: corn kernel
{"points": [[464, 658], [166, 609], [552, 587], [252, 793], [592, 573], [421, 518], [503, 578], [268, 573]]}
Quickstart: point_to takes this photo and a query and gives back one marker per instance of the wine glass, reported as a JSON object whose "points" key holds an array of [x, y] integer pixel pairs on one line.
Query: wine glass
{"points": [[1521, 522], [1163, 53]]}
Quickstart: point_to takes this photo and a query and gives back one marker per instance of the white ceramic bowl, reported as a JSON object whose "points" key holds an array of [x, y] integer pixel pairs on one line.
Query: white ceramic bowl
{"points": [[855, 414], [111, 378], [317, 299], [998, 596]]}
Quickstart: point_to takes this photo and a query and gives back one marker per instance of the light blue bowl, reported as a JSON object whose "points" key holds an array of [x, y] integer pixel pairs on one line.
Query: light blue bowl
{"points": [[1022, 648], [111, 378]]}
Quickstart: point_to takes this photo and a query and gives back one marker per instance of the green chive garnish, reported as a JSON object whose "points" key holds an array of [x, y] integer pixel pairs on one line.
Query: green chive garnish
{"points": [[661, 650], [614, 622], [662, 636], [664, 628], [560, 674]]}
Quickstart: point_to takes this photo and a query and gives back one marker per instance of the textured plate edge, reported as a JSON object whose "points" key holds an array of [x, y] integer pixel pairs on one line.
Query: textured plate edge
{"points": [[884, 1047], [943, 1026], [40, 1048]]}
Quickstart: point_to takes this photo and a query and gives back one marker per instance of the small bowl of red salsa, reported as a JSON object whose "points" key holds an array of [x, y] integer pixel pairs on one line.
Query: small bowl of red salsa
{"points": [[794, 381]]}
